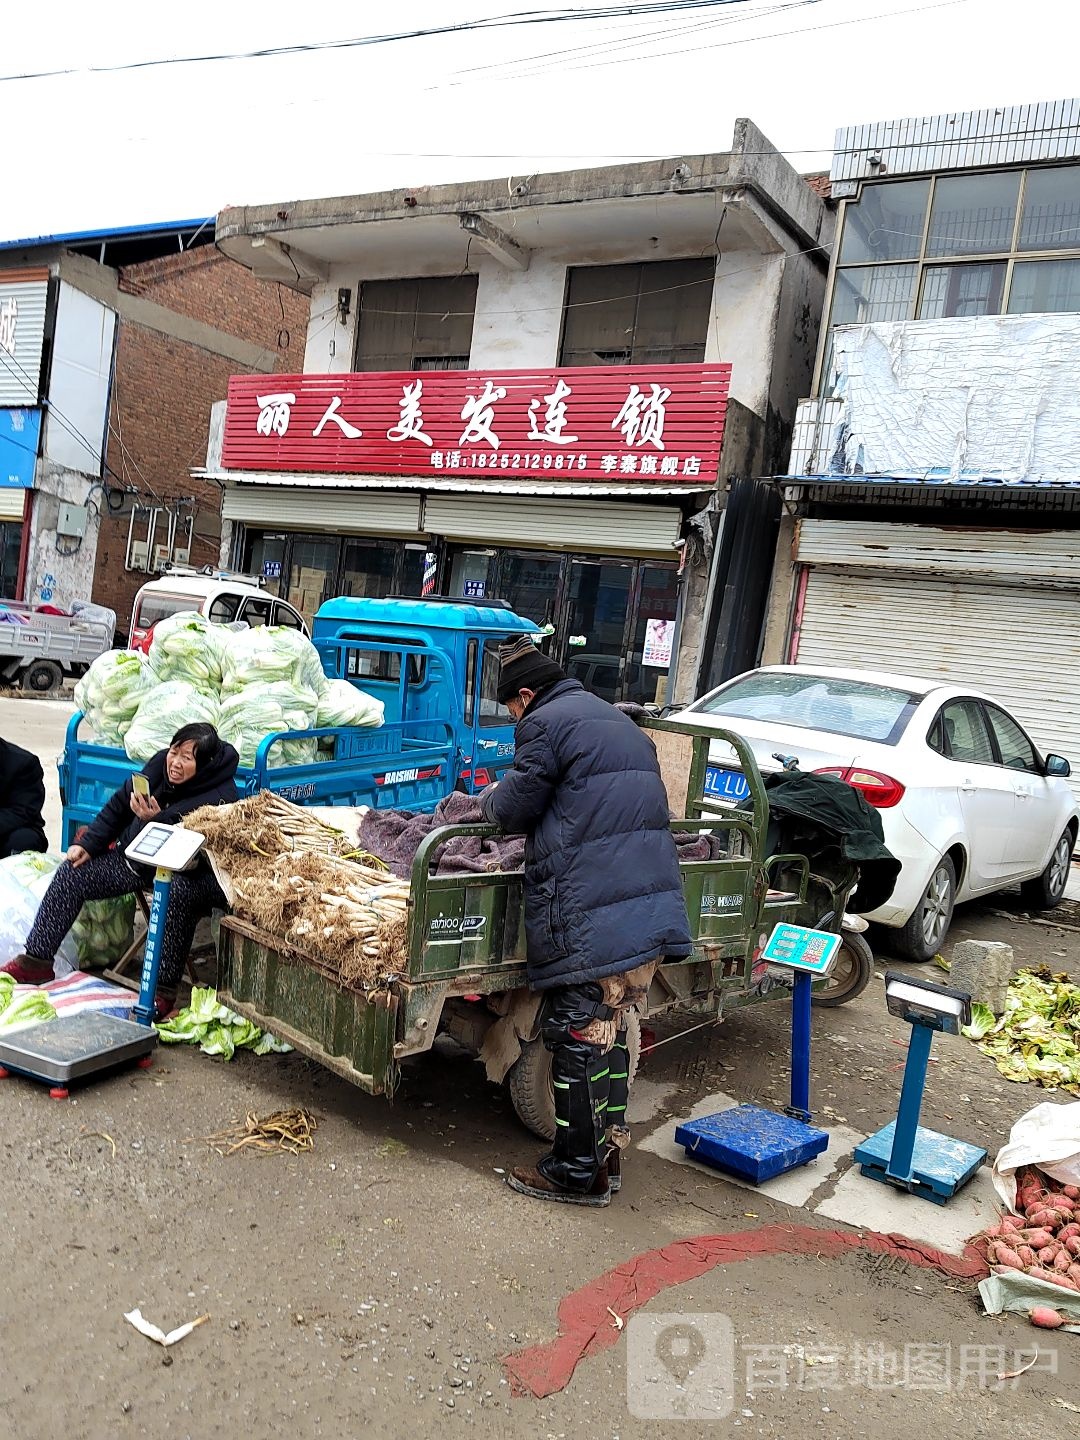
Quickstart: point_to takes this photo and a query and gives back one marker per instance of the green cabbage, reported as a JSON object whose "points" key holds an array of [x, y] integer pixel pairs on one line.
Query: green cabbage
{"points": [[103, 931], [270, 653], [258, 710], [342, 703], [216, 1029], [30, 1007], [162, 713], [187, 646], [111, 692]]}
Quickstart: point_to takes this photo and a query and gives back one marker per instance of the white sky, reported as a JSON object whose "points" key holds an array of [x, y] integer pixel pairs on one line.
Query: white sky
{"points": [[89, 151]]}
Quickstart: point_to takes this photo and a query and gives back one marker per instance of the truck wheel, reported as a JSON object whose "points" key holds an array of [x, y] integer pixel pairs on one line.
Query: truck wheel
{"points": [[851, 973], [42, 677], [531, 1091]]}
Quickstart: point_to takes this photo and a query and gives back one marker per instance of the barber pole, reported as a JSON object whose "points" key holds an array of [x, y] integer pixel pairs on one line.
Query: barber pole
{"points": [[431, 570]]}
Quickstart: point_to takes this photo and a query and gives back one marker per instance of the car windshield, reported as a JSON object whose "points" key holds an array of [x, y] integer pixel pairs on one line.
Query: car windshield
{"points": [[817, 702]]}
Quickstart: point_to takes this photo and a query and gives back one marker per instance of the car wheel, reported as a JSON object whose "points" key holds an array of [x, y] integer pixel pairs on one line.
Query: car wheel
{"points": [[1048, 889], [922, 936]]}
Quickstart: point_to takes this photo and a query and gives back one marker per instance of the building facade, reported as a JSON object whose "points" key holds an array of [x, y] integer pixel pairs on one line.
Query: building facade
{"points": [[113, 347], [539, 391], [933, 523]]}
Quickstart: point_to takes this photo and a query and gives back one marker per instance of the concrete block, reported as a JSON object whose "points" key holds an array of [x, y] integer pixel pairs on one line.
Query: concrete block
{"points": [[983, 967]]}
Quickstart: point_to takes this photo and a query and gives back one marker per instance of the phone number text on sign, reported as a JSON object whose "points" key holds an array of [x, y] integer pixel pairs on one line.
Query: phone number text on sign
{"points": [[670, 466]]}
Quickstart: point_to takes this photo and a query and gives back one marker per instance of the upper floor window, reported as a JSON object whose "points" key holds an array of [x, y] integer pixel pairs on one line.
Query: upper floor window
{"points": [[420, 324], [987, 243], [656, 312]]}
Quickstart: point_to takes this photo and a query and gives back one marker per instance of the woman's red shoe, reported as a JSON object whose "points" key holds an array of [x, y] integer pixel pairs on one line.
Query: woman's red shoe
{"points": [[28, 970]]}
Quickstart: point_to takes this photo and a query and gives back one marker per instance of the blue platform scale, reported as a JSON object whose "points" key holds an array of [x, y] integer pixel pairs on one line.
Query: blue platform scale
{"points": [[80, 1047], [904, 1153], [748, 1141]]}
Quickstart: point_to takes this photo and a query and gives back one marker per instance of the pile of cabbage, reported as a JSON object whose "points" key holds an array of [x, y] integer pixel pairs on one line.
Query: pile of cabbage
{"points": [[216, 1029], [101, 934], [248, 683]]}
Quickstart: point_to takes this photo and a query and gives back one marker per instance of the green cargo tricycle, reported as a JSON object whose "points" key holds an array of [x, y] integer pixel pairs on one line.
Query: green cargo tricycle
{"points": [[465, 975]]}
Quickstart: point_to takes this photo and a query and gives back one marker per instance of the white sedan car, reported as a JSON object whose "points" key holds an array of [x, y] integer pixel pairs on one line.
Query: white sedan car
{"points": [[968, 804]]}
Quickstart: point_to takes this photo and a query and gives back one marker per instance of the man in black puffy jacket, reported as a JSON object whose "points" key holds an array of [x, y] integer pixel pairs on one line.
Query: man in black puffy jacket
{"points": [[603, 900]]}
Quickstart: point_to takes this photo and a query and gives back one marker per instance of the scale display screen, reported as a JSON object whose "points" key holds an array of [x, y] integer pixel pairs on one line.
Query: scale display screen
{"points": [[799, 948], [169, 847]]}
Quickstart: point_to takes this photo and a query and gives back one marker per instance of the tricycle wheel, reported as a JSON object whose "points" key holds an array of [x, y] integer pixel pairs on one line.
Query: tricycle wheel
{"points": [[41, 677], [531, 1090], [851, 973]]}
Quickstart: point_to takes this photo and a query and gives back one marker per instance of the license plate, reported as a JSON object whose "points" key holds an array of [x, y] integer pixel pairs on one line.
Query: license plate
{"points": [[722, 784]]}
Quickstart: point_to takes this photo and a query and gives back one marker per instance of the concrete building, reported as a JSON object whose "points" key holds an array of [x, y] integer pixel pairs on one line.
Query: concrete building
{"points": [[566, 338], [113, 347], [933, 525]]}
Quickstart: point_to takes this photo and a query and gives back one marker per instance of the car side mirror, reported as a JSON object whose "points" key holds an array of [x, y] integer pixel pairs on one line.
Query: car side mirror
{"points": [[1058, 766]]}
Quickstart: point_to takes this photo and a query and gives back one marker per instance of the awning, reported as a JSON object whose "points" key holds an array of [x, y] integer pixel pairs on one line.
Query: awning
{"points": [[433, 484]]}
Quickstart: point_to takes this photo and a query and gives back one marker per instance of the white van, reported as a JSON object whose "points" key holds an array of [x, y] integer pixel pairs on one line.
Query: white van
{"points": [[217, 594]]}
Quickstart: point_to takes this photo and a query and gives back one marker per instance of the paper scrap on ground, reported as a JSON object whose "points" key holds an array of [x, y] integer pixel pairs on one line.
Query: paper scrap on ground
{"points": [[144, 1327]]}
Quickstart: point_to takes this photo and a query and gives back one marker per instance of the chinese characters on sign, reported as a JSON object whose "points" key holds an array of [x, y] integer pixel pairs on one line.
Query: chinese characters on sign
{"points": [[9, 318], [660, 423]]}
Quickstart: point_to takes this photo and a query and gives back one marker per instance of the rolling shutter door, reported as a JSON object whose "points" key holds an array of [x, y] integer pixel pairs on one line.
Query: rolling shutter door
{"points": [[357, 512], [576, 523], [12, 502], [1020, 645]]}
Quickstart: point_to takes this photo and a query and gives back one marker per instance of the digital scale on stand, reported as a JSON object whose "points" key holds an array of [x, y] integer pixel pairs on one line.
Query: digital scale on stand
{"points": [[80, 1047], [904, 1153], [748, 1141]]}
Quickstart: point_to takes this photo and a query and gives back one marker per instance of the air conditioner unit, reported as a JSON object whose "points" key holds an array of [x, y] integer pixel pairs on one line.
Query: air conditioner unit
{"points": [[137, 554]]}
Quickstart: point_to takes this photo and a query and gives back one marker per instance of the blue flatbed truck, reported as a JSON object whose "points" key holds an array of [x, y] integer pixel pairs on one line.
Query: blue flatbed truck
{"points": [[434, 665]]}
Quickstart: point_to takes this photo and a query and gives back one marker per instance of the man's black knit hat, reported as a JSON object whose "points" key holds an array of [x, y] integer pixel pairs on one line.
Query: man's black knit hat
{"points": [[523, 667]]}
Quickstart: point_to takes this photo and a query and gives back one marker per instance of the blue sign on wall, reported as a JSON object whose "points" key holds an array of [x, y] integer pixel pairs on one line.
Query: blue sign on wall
{"points": [[20, 432]]}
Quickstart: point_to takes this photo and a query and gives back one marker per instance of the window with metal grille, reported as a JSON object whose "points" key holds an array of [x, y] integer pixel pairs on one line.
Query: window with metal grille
{"points": [[654, 312], [420, 324]]}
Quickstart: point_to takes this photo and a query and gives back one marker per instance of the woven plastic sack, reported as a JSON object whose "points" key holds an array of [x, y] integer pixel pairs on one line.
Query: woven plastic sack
{"points": [[23, 881]]}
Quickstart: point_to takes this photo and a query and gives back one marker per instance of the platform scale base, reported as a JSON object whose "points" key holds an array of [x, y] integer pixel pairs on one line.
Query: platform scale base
{"points": [[750, 1142], [940, 1165], [75, 1048]]}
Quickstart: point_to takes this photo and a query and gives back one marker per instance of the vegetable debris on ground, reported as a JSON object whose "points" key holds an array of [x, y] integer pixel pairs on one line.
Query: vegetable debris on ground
{"points": [[1038, 1036], [289, 1131], [216, 1029]]}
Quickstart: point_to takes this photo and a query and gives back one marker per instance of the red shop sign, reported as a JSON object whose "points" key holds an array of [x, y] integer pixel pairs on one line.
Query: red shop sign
{"points": [[659, 424]]}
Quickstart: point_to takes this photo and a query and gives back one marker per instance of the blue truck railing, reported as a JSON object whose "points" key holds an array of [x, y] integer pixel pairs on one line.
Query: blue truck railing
{"points": [[391, 767]]}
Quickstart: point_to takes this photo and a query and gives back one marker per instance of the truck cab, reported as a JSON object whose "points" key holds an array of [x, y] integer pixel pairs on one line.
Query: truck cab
{"points": [[432, 662]]}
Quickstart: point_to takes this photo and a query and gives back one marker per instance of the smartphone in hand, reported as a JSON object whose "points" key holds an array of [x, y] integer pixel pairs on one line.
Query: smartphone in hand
{"points": [[141, 786]]}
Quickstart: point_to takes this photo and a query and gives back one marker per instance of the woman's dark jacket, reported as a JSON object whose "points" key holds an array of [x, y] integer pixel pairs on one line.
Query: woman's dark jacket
{"points": [[22, 790], [602, 887], [212, 784]]}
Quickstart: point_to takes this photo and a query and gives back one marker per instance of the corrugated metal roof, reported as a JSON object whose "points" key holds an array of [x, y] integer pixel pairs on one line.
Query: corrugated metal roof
{"points": [[933, 480], [1008, 135], [437, 483], [114, 232]]}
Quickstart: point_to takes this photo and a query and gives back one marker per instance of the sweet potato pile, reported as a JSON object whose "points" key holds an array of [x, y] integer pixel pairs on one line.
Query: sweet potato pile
{"points": [[1043, 1240]]}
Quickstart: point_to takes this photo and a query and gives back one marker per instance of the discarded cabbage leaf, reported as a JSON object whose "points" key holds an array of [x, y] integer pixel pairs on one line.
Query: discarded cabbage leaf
{"points": [[25, 1007], [983, 1021], [1038, 1037], [216, 1029]]}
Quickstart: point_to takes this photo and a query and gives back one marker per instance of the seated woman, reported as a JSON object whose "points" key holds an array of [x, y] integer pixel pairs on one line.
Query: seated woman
{"points": [[197, 769]]}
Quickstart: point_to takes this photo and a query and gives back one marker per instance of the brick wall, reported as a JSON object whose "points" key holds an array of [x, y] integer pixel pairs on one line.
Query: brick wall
{"points": [[163, 389]]}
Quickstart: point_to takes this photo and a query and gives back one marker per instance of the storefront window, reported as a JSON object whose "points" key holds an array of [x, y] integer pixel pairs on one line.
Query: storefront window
{"points": [[413, 564], [652, 651], [266, 558], [470, 574], [312, 571], [368, 569], [529, 584]]}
